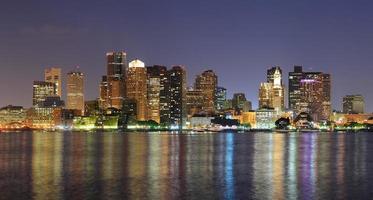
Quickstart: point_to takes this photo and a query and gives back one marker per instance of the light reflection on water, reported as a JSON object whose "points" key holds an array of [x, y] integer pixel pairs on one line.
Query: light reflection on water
{"points": [[186, 166]]}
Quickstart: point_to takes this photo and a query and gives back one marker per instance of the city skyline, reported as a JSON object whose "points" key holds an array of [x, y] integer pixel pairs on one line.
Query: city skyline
{"points": [[336, 41]]}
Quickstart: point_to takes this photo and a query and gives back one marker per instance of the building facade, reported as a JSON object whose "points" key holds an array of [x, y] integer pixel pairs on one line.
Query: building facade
{"points": [[42, 90], [136, 87], [207, 82], [157, 92], [353, 104], [53, 75], [75, 91], [220, 97], [177, 94]]}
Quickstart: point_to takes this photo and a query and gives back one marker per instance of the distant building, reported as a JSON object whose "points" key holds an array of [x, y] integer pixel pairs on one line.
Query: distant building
{"points": [[112, 86], [271, 93], [75, 91], [177, 96], [157, 92], [47, 114], [220, 98], [42, 90], [310, 92], [353, 104], [136, 87], [194, 101], [240, 104], [53, 75], [92, 107], [207, 82]]}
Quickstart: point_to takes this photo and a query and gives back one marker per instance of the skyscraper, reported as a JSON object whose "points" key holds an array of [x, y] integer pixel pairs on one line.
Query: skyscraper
{"points": [[294, 87], [114, 80], [271, 93], [177, 94], [53, 75], [42, 90], [220, 97], [207, 83], [194, 101], [136, 87], [75, 91], [157, 92], [353, 104], [103, 99]]}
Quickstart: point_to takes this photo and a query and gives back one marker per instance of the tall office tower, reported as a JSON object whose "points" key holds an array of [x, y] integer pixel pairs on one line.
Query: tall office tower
{"points": [[177, 94], [53, 75], [42, 90], [220, 97], [75, 91], [157, 92], [194, 101], [274, 74], [353, 104], [315, 95], [266, 95], [294, 87], [207, 83], [103, 99], [116, 71], [136, 87], [274, 77], [240, 103]]}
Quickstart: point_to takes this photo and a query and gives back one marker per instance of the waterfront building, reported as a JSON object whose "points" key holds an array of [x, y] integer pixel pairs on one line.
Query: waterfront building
{"points": [[157, 92], [12, 117], [177, 95], [75, 91], [103, 99], [220, 97], [47, 114], [265, 118], [353, 104], [92, 107], [136, 87], [53, 75], [41, 90], [310, 92], [207, 83]]}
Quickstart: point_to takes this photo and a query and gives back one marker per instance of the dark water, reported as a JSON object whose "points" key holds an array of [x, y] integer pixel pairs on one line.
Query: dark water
{"points": [[199, 166]]}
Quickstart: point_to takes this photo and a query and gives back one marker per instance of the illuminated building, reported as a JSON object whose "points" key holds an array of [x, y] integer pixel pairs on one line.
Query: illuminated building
{"points": [[271, 93], [315, 95], [294, 87], [353, 104], [112, 86], [194, 101], [240, 104], [310, 92], [103, 99], [136, 87], [53, 75], [157, 92], [265, 118], [207, 83], [41, 90], [91, 107], [47, 114], [177, 94], [220, 97], [265, 95], [12, 117], [75, 91]]}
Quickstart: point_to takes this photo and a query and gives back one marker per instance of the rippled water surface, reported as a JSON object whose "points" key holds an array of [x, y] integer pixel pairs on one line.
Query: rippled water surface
{"points": [[186, 166]]}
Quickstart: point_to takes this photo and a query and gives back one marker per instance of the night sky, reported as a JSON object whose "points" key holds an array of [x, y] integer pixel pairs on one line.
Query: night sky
{"points": [[239, 40]]}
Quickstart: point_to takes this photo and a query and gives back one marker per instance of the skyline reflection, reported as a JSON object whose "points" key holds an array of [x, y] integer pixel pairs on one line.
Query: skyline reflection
{"points": [[189, 166]]}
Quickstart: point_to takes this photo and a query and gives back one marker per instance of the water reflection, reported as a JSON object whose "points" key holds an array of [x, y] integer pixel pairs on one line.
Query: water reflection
{"points": [[185, 166]]}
